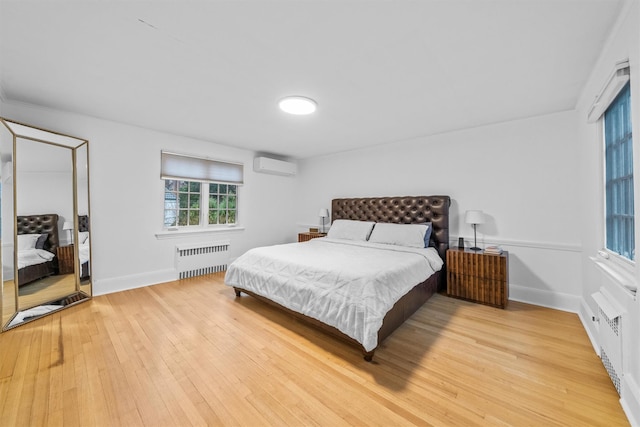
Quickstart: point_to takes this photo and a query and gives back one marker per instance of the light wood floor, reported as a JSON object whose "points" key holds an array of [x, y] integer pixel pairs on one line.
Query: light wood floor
{"points": [[190, 353]]}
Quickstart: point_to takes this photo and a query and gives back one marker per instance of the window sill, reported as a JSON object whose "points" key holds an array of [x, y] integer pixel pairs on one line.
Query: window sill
{"points": [[619, 275], [175, 234]]}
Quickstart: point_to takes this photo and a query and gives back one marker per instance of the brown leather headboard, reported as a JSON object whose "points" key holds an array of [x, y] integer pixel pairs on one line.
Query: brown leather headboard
{"points": [[400, 210], [38, 224], [83, 223]]}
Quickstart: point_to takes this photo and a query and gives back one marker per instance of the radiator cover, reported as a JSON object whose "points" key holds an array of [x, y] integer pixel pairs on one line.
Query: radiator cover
{"points": [[201, 258]]}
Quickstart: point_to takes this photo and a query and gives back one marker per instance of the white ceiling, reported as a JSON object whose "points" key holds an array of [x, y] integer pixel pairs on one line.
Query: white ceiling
{"points": [[381, 71]]}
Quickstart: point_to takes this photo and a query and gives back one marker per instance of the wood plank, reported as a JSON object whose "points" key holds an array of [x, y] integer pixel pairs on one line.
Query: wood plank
{"points": [[190, 353]]}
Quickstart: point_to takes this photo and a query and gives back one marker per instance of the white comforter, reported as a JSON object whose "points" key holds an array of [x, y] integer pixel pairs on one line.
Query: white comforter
{"points": [[346, 284], [29, 257]]}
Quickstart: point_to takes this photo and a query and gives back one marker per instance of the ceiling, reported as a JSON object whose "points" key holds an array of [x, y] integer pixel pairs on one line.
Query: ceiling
{"points": [[380, 71]]}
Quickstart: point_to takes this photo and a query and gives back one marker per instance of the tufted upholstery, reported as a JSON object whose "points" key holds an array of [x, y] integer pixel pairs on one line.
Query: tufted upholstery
{"points": [[400, 210], [38, 224], [83, 223]]}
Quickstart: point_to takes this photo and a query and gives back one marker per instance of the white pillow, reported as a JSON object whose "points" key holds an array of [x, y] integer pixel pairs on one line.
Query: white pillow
{"points": [[411, 235], [82, 237], [350, 230], [27, 241]]}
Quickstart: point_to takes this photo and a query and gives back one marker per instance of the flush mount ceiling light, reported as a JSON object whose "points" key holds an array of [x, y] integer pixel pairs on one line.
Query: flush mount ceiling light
{"points": [[298, 105]]}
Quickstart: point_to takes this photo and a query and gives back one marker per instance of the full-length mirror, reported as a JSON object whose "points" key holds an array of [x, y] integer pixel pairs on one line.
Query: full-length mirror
{"points": [[45, 222]]}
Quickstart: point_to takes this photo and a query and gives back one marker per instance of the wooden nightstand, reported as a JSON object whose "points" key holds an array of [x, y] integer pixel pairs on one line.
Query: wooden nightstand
{"points": [[65, 259], [478, 277], [303, 237]]}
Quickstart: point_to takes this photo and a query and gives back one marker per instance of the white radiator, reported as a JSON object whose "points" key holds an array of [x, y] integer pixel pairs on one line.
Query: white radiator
{"points": [[610, 337], [201, 258]]}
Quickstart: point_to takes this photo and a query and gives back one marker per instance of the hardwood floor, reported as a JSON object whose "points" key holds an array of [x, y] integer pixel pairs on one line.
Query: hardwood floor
{"points": [[191, 353]]}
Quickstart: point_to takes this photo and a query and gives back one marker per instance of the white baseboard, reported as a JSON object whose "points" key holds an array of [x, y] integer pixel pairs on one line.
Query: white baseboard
{"points": [[123, 283], [630, 400], [558, 301]]}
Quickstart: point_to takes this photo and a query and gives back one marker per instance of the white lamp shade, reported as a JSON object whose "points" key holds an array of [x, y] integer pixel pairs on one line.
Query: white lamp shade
{"points": [[474, 217], [324, 213], [67, 225]]}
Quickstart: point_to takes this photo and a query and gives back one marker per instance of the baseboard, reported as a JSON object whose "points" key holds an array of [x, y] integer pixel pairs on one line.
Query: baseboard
{"points": [[556, 300], [630, 400], [123, 283]]}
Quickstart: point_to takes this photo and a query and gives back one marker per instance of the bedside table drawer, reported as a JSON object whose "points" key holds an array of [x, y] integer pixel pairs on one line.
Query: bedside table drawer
{"points": [[478, 277], [490, 292]]}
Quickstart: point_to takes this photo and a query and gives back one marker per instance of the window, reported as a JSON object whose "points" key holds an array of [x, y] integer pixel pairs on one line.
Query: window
{"points": [[619, 212], [199, 192], [222, 203], [183, 207]]}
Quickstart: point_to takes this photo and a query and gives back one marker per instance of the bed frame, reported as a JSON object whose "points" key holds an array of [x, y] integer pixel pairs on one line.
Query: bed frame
{"points": [[38, 224], [400, 210]]}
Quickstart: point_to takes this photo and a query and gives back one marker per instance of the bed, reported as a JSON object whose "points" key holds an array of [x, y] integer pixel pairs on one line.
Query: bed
{"points": [[420, 272], [37, 244]]}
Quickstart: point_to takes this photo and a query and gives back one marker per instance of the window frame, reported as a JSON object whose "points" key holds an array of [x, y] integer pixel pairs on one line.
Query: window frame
{"points": [[616, 258], [204, 207]]}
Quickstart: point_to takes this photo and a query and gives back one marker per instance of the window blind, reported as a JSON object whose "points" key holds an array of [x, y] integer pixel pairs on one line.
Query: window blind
{"points": [[181, 166], [617, 80]]}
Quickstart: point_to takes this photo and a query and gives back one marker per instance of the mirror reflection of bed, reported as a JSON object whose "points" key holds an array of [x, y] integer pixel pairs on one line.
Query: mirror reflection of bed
{"points": [[46, 271]]}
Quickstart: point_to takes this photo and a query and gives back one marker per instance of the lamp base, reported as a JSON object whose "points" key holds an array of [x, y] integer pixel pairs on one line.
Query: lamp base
{"points": [[475, 248]]}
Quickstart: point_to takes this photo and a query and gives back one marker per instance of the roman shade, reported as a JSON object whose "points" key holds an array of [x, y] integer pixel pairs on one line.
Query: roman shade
{"points": [[181, 166], [616, 81]]}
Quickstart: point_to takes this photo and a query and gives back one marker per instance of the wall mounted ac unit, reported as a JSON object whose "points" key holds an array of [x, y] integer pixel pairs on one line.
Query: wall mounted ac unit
{"points": [[273, 166]]}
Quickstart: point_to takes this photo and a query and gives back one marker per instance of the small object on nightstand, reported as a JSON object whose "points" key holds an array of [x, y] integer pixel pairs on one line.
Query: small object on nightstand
{"points": [[495, 250], [460, 242], [478, 277], [304, 237], [314, 230], [474, 218], [324, 213]]}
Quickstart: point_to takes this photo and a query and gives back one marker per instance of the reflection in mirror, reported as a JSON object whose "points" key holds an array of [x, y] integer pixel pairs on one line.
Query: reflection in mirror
{"points": [[50, 195]]}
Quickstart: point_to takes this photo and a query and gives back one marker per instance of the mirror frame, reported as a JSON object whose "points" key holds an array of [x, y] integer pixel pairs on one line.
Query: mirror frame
{"points": [[24, 131]]}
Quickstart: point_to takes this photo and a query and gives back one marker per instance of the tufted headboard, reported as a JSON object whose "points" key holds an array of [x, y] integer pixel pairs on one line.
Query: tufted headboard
{"points": [[83, 223], [39, 224], [400, 210]]}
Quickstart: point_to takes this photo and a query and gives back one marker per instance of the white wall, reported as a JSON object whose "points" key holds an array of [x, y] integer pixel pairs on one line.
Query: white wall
{"points": [[623, 43], [522, 174], [127, 197]]}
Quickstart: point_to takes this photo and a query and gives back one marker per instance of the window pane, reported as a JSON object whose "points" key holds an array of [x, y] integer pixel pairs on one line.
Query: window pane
{"points": [[213, 188], [194, 187], [183, 185], [213, 217], [183, 200], [222, 217], [231, 202], [194, 217], [223, 188], [231, 217], [182, 217]]}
